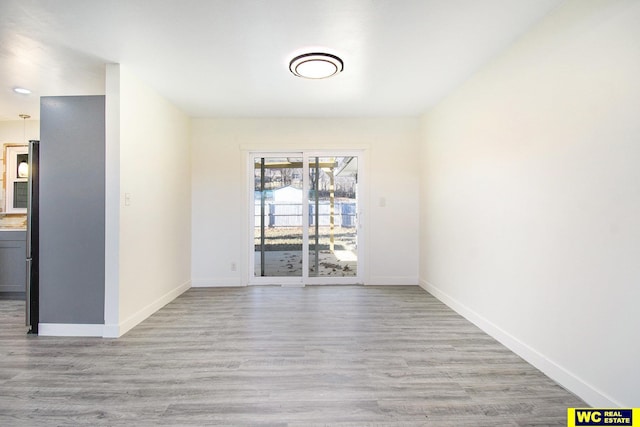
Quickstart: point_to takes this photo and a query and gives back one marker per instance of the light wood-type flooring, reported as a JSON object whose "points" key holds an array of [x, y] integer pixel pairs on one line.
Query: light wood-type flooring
{"points": [[324, 355]]}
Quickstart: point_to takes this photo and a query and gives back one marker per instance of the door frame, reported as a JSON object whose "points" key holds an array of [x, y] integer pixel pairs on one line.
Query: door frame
{"points": [[305, 279]]}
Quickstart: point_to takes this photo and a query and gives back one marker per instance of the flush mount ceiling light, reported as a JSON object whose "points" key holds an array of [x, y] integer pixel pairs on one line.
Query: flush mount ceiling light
{"points": [[316, 65], [21, 90]]}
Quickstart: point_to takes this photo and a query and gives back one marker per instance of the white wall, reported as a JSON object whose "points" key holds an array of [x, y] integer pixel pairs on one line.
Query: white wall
{"points": [[154, 241], [19, 132], [219, 150], [15, 132], [530, 190]]}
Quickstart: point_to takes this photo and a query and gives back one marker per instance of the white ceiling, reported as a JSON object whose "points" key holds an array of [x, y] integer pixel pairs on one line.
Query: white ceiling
{"points": [[229, 58]]}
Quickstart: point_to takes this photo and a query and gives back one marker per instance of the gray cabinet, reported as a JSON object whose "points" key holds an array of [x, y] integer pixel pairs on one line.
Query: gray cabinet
{"points": [[12, 261]]}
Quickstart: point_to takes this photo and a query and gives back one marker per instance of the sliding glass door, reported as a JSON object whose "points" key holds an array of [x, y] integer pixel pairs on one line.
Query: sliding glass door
{"points": [[305, 219], [278, 220], [333, 233]]}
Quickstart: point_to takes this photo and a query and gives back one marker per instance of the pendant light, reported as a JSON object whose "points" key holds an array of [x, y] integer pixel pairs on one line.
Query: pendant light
{"points": [[23, 167]]}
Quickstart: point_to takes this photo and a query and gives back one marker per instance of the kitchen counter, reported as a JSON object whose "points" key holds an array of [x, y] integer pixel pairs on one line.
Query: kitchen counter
{"points": [[13, 222]]}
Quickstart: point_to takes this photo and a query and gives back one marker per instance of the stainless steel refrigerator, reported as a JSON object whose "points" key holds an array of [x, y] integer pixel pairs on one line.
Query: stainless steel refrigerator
{"points": [[33, 230]]}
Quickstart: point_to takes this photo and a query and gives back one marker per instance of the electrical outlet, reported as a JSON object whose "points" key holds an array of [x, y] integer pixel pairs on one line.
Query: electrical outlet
{"points": [[234, 267]]}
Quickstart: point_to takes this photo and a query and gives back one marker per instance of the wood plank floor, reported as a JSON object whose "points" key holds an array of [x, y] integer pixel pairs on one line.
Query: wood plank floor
{"points": [[339, 356]]}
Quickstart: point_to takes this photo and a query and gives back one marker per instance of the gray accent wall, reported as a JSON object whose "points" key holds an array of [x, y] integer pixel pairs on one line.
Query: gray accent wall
{"points": [[72, 209]]}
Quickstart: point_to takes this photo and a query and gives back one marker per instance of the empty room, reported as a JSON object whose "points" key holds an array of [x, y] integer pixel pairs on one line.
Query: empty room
{"points": [[294, 213]]}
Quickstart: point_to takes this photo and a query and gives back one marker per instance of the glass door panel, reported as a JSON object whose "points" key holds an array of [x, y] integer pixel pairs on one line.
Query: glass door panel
{"points": [[332, 221], [305, 219], [278, 216]]}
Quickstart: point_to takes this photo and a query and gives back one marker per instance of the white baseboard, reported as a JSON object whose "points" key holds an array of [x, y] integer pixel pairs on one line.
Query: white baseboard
{"points": [[559, 374], [237, 282], [111, 331], [392, 281], [70, 330], [217, 283], [115, 331]]}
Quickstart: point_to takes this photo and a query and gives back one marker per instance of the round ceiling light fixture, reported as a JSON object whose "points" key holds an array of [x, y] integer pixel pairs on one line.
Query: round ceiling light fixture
{"points": [[316, 65], [22, 90]]}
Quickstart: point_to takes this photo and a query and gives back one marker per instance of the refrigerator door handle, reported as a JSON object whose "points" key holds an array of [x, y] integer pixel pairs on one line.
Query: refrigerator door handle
{"points": [[28, 252], [28, 293], [30, 198]]}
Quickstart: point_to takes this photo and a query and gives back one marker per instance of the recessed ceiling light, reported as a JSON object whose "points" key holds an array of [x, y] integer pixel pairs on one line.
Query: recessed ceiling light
{"points": [[21, 90], [316, 65]]}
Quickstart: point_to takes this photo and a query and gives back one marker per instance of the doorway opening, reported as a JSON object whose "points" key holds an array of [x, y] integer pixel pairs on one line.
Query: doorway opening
{"points": [[305, 218]]}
